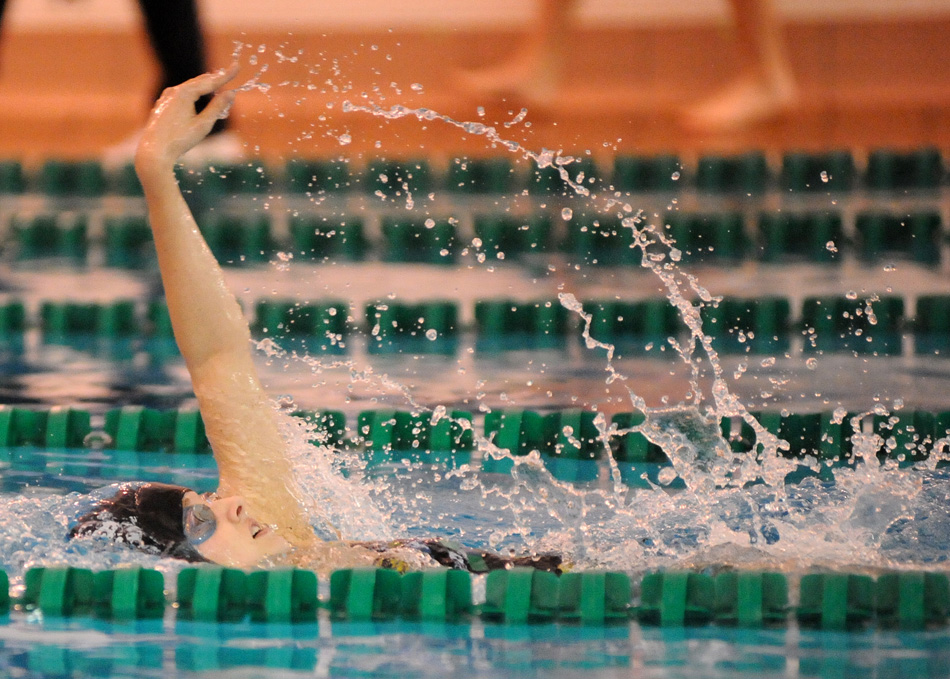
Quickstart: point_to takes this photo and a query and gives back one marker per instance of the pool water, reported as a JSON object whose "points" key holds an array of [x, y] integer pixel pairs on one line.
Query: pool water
{"points": [[708, 509], [39, 487]]}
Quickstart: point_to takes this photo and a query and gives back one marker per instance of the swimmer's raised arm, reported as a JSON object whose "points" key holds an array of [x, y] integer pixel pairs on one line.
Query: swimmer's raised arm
{"points": [[209, 325]]}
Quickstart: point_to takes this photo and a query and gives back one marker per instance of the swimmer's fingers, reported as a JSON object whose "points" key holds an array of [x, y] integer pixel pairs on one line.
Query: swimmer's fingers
{"points": [[174, 127], [217, 108], [207, 83]]}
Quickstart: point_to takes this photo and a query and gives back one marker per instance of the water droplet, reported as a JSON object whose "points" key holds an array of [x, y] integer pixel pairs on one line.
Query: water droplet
{"points": [[811, 363], [675, 176], [430, 223], [825, 176], [666, 476], [851, 294], [566, 214], [344, 139], [831, 247], [890, 267], [415, 87], [768, 362], [431, 334]]}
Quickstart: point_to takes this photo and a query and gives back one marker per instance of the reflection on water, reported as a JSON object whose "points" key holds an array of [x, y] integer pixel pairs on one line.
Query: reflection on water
{"points": [[171, 649]]}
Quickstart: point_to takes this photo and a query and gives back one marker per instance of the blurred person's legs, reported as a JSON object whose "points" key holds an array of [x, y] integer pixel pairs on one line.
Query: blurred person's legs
{"points": [[174, 31], [536, 70], [764, 86]]}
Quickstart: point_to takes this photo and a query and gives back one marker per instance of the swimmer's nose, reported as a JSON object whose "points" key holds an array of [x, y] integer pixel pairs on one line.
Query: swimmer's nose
{"points": [[235, 508]]}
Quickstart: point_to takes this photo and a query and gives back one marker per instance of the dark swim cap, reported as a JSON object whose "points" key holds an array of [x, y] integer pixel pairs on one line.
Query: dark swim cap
{"points": [[147, 517]]}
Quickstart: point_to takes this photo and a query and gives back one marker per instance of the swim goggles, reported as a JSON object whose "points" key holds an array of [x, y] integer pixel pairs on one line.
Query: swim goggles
{"points": [[198, 522]]}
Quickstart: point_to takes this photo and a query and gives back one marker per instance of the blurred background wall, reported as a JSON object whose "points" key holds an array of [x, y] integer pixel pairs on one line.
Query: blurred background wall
{"points": [[76, 75]]}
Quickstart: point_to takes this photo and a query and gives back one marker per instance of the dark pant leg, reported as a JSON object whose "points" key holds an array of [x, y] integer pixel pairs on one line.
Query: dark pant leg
{"points": [[174, 31]]}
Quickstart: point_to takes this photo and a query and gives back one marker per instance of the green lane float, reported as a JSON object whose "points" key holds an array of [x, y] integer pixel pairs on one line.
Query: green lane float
{"points": [[751, 599], [128, 241], [133, 593], [58, 427], [12, 177], [931, 324], [158, 321], [436, 595], [506, 237], [327, 426], [908, 601], [916, 236], [889, 170], [365, 594], [480, 176], [502, 325], [125, 182], [676, 599], [831, 171], [601, 241], [812, 237], [565, 438], [4, 593], [420, 241], [641, 174], [236, 239], [835, 601], [746, 173], [428, 327], [582, 170], [12, 318], [66, 427], [388, 434], [321, 239], [212, 594], [282, 596], [134, 428], [864, 326], [759, 325], [322, 320], [398, 179], [908, 435], [61, 179], [912, 601], [50, 235], [633, 446], [709, 238], [113, 320], [317, 177], [519, 596], [594, 598], [59, 592]]}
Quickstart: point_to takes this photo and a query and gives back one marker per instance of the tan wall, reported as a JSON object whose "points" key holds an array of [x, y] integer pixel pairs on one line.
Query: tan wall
{"points": [[462, 14]]}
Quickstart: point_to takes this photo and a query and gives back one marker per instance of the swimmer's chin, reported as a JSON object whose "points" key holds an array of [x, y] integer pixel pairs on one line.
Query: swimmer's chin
{"points": [[271, 549]]}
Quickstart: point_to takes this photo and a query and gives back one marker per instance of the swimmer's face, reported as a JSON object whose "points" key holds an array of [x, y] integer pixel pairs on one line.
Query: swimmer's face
{"points": [[238, 540]]}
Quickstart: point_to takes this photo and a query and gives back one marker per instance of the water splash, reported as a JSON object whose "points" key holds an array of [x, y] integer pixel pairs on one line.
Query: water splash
{"points": [[811, 522]]}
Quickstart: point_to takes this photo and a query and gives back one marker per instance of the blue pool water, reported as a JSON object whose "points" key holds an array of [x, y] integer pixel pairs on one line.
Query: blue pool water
{"points": [[867, 518], [39, 485]]}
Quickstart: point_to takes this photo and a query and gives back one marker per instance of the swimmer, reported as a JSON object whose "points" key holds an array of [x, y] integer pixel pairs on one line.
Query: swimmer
{"points": [[255, 517]]}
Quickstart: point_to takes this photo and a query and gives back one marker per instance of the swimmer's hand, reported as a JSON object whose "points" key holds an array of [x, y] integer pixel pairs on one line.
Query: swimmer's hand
{"points": [[173, 127]]}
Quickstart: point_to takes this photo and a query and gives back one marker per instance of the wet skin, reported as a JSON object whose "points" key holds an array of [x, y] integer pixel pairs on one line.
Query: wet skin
{"points": [[238, 539]]}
